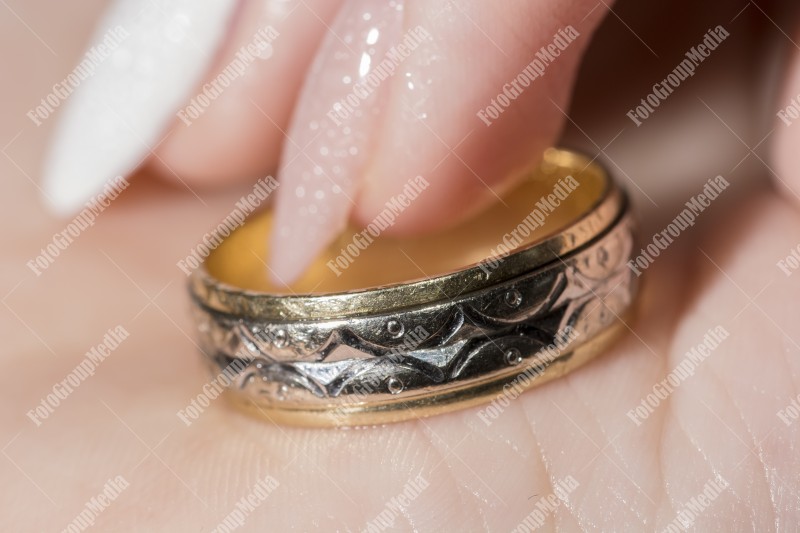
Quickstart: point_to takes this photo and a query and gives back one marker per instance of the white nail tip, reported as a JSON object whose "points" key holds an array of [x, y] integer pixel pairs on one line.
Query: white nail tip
{"points": [[155, 53]]}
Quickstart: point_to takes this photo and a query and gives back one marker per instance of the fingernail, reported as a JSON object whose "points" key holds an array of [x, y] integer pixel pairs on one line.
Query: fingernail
{"points": [[330, 135], [144, 59]]}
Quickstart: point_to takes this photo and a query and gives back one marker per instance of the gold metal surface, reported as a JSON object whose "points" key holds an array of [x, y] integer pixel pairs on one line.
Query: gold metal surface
{"points": [[583, 244], [234, 278]]}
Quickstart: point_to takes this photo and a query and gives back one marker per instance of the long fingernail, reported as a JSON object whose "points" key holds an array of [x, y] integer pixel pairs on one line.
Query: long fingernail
{"points": [[144, 59], [331, 132]]}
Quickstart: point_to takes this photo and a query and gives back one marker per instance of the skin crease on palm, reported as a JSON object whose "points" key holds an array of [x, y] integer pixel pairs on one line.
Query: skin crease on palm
{"points": [[721, 422]]}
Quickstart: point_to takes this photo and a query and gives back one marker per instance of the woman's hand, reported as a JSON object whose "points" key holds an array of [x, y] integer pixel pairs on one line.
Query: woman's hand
{"points": [[729, 428]]}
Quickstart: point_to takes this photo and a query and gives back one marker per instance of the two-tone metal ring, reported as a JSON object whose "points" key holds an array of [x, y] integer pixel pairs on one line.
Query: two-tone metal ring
{"points": [[527, 291]]}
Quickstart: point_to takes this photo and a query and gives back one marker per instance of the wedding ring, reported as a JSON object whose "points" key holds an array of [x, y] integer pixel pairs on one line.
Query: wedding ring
{"points": [[532, 288]]}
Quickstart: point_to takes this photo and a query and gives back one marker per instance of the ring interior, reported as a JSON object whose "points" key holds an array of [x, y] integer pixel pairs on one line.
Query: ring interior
{"points": [[241, 260]]}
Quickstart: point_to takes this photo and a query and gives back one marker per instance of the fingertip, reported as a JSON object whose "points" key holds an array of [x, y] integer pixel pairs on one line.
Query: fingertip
{"points": [[473, 106]]}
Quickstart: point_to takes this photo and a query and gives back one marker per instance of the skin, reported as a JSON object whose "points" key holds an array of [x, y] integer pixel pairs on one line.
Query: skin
{"points": [[722, 421]]}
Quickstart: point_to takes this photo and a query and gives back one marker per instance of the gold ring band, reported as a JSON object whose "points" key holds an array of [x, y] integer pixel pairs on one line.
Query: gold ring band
{"points": [[526, 292]]}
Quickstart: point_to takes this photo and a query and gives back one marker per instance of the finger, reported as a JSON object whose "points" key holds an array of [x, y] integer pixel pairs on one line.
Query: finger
{"points": [[440, 120], [435, 124], [233, 127]]}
